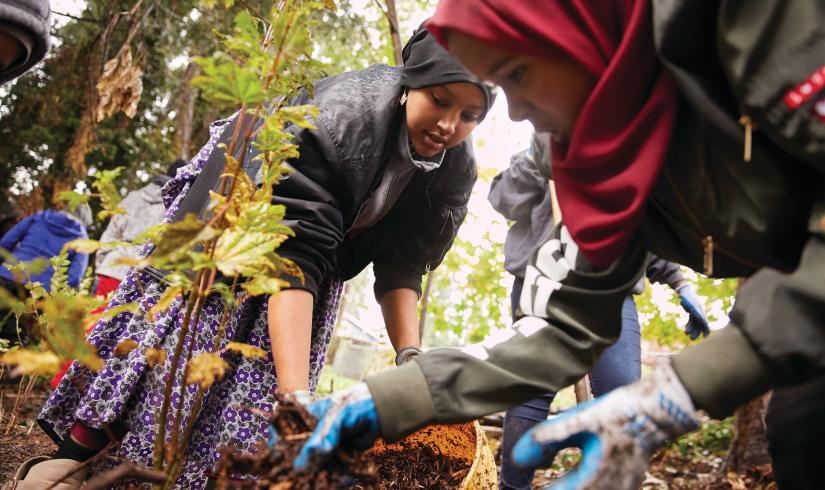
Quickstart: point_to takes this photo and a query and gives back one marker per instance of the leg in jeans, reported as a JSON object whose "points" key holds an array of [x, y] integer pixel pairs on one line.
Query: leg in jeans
{"points": [[517, 421], [619, 365]]}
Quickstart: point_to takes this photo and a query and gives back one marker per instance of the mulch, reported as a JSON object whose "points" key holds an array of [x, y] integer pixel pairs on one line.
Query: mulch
{"points": [[413, 467], [20, 437]]}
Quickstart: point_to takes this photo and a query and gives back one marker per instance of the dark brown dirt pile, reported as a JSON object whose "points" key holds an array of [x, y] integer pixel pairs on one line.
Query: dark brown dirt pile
{"points": [[415, 468]]}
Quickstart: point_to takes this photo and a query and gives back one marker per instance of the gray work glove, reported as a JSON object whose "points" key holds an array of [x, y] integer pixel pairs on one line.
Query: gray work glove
{"points": [[617, 432], [404, 355]]}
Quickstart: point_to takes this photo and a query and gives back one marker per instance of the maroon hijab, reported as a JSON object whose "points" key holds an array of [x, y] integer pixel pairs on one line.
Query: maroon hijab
{"points": [[618, 145]]}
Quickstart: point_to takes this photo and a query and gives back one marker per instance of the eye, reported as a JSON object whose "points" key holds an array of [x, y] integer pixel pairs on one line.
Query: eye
{"points": [[438, 100], [517, 74], [470, 117]]}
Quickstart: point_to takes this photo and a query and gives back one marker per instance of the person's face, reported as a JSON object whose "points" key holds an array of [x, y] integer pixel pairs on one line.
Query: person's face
{"points": [[10, 50], [441, 116], [548, 93]]}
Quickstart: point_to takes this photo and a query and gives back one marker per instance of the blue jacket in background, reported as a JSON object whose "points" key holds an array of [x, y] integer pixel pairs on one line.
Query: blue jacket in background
{"points": [[43, 235]]}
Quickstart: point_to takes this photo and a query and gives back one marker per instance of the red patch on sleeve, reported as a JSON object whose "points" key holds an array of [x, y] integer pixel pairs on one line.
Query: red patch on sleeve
{"points": [[805, 90], [819, 109]]}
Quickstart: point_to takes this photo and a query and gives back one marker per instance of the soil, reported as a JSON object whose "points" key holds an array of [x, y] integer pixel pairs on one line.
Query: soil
{"points": [[669, 470], [414, 468], [20, 437], [418, 467]]}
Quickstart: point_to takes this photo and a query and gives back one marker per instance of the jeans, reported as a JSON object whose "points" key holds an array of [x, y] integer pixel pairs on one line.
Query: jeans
{"points": [[619, 365]]}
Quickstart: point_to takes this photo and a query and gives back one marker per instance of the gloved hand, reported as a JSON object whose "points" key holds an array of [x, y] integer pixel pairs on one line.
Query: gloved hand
{"points": [[617, 432], [404, 355], [697, 321], [346, 418]]}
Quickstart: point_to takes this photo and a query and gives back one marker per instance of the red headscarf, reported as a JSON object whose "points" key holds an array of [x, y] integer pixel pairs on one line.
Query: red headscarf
{"points": [[620, 138]]}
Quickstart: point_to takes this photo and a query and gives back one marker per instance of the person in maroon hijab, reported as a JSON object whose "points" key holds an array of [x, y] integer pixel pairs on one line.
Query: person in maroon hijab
{"points": [[693, 130]]}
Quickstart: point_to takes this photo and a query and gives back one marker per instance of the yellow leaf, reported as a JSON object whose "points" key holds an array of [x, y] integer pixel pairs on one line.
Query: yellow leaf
{"points": [[63, 321], [164, 302], [27, 361], [259, 285], [83, 245], [205, 369], [116, 310], [125, 347], [154, 356], [108, 213], [246, 350]]}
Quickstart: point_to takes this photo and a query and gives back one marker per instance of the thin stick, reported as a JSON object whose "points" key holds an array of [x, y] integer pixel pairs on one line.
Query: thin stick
{"points": [[97, 457], [126, 470]]}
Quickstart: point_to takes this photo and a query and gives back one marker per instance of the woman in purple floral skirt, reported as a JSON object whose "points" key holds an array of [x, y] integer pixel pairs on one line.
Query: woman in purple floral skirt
{"points": [[384, 178]]}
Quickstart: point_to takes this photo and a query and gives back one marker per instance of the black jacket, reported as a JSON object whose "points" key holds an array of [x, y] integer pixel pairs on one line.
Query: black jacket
{"points": [[341, 162], [732, 61]]}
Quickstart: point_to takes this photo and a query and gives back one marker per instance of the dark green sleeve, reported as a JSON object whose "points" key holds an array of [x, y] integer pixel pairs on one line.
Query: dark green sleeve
{"points": [[572, 314], [776, 336]]}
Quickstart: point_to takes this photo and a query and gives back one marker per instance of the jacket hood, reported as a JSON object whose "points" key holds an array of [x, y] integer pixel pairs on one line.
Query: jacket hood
{"points": [[63, 224], [150, 193]]}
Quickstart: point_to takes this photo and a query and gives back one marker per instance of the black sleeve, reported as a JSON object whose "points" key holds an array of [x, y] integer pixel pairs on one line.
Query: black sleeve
{"points": [[313, 212], [419, 249], [664, 272]]}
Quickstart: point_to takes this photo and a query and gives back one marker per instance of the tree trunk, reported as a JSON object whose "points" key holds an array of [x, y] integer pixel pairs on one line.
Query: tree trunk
{"points": [[185, 112], [749, 446], [425, 300], [582, 390], [392, 19]]}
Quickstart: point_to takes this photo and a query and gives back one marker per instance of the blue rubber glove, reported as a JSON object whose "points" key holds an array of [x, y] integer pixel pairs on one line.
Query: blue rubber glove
{"points": [[617, 433], [346, 418], [697, 321]]}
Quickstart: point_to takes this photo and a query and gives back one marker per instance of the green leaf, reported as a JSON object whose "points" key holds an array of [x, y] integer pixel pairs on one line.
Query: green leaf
{"points": [[245, 253], [73, 199], [183, 235]]}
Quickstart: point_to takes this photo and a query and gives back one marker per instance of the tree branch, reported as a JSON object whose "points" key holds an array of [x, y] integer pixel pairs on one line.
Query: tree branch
{"points": [[82, 19], [124, 471]]}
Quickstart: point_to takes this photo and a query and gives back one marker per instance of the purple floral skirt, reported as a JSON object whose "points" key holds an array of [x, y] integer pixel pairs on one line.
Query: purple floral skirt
{"points": [[130, 393]]}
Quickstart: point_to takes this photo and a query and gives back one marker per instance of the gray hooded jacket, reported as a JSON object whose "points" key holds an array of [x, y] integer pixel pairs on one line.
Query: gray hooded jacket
{"points": [[143, 208]]}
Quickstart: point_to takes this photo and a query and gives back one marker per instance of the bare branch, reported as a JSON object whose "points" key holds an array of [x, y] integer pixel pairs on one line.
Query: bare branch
{"points": [[122, 472], [82, 19]]}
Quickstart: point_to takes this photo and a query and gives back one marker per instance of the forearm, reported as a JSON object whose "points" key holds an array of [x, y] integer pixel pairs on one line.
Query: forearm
{"points": [[399, 307], [574, 314], [290, 332]]}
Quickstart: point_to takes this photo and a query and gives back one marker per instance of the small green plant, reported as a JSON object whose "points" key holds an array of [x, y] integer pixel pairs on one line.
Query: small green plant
{"points": [[266, 61], [713, 438]]}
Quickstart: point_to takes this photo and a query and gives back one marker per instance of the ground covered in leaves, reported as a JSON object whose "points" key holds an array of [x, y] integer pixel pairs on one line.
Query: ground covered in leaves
{"points": [[693, 462], [20, 437]]}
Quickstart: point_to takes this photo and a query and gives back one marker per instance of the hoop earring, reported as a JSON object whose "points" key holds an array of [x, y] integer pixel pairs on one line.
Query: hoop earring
{"points": [[403, 98]]}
